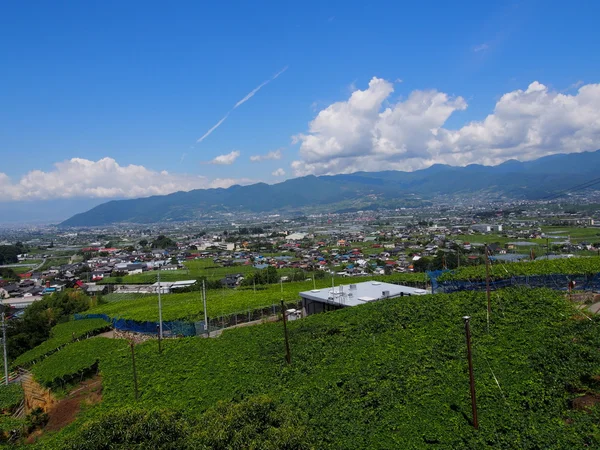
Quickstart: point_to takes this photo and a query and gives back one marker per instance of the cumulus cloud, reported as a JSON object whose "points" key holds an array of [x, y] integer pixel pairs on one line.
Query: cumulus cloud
{"points": [[278, 173], [227, 159], [104, 178], [359, 134], [276, 154]]}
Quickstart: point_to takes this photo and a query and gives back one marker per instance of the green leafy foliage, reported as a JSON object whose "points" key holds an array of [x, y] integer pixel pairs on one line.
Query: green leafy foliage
{"points": [[10, 429], [255, 423], [393, 372], [11, 396], [8, 254], [61, 335], [75, 360], [566, 266], [221, 302], [387, 374], [130, 427], [38, 319]]}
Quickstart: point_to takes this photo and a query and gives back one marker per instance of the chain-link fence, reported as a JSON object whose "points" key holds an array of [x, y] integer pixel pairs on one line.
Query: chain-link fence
{"points": [[183, 328]]}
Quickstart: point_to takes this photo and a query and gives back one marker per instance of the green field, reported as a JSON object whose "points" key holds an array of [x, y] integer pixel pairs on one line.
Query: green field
{"points": [[10, 397], [222, 302], [499, 270], [389, 374], [196, 268], [61, 335], [75, 360], [576, 234]]}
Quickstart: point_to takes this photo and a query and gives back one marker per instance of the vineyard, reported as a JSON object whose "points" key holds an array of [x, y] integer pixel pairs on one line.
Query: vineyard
{"points": [[75, 361], [11, 396], [222, 302], [498, 270], [61, 335], [389, 374]]}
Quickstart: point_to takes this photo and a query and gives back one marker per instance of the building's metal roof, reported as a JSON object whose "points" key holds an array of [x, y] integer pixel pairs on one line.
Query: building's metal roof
{"points": [[359, 293]]}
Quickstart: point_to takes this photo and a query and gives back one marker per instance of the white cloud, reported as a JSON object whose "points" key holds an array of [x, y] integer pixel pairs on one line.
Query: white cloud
{"points": [[227, 159], [359, 134], [104, 178], [275, 154], [576, 85], [481, 48], [278, 173], [241, 102]]}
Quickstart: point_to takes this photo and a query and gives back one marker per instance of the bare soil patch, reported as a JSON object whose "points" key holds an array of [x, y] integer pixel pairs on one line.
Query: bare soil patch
{"points": [[88, 392], [585, 402]]}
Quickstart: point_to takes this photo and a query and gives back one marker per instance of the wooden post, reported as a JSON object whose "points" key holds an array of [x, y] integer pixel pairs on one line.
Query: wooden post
{"points": [[471, 376], [288, 356], [159, 339], [135, 383]]}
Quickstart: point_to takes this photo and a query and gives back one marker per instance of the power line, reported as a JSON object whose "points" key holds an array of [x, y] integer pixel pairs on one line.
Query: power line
{"points": [[575, 188]]}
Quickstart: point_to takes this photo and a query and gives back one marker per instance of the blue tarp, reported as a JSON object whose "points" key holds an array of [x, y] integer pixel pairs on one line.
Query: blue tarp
{"points": [[172, 328], [556, 281]]}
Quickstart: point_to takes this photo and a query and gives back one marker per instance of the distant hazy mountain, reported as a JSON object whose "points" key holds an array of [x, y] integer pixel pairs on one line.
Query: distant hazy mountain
{"points": [[361, 190]]}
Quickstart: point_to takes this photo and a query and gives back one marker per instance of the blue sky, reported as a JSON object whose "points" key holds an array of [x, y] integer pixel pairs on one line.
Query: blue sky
{"points": [[89, 89]]}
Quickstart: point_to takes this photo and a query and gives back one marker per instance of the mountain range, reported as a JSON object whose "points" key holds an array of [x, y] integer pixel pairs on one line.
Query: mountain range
{"points": [[534, 179]]}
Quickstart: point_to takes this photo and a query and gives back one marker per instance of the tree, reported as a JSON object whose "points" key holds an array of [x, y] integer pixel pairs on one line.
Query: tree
{"points": [[8, 254], [143, 242], [34, 326], [163, 242]]}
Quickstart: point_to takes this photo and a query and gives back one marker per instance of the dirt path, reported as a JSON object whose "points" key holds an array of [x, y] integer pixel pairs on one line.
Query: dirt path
{"points": [[66, 410]]}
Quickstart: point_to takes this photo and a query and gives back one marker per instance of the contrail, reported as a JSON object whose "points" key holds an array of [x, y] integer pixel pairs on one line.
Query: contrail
{"points": [[213, 128], [241, 102]]}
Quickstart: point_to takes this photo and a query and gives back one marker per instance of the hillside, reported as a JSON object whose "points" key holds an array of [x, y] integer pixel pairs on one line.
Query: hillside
{"points": [[389, 374], [361, 190]]}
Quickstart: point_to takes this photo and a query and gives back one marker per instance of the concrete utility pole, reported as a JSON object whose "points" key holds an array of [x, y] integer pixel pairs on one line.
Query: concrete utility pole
{"points": [[204, 302], [471, 376], [288, 356], [487, 287]]}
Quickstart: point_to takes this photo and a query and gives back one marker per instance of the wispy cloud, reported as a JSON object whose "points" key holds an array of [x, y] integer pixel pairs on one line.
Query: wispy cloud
{"points": [[241, 102], [276, 154], [278, 173], [226, 159], [576, 85], [481, 48]]}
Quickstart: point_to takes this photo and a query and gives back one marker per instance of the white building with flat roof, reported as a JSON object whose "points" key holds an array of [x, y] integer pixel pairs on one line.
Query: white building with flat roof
{"points": [[486, 228], [342, 296]]}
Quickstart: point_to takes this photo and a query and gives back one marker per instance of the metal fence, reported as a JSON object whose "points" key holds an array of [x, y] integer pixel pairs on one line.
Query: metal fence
{"points": [[559, 282], [181, 328]]}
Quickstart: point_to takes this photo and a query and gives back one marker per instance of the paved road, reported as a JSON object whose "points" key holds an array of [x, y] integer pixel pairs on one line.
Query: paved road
{"points": [[34, 267]]}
